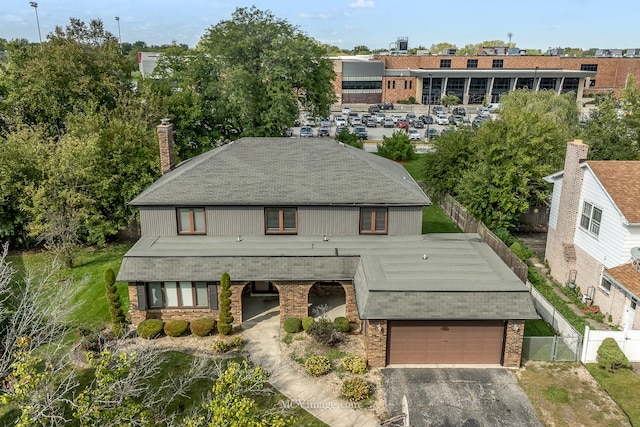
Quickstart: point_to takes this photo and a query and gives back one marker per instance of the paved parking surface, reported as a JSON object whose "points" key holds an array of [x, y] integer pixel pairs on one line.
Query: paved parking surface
{"points": [[448, 397]]}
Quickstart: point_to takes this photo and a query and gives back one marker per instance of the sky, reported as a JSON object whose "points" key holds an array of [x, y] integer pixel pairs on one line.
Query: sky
{"points": [[539, 24]]}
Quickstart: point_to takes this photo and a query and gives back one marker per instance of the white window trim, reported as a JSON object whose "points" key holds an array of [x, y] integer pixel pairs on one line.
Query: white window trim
{"points": [[587, 228], [603, 289]]}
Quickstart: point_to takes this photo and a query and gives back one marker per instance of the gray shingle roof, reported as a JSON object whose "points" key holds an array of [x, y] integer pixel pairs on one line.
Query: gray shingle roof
{"points": [[285, 171], [462, 278]]}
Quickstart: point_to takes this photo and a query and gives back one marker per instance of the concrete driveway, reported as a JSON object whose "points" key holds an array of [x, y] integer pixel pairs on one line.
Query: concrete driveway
{"points": [[469, 397]]}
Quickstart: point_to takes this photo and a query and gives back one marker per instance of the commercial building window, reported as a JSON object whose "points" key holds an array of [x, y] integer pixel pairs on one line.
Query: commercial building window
{"points": [[373, 220], [410, 84], [605, 285], [472, 63], [405, 84], [191, 221], [570, 84], [393, 84], [591, 218], [281, 220], [497, 63], [361, 84], [589, 67], [388, 84], [445, 63], [178, 294]]}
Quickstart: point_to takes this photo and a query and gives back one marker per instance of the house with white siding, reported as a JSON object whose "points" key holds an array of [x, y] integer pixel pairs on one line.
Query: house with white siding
{"points": [[594, 223]]}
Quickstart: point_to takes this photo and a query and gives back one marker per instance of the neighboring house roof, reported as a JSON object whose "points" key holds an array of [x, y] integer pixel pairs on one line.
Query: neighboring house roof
{"points": [[461, 278], [285, 171], [621, 180], [626, 276]]}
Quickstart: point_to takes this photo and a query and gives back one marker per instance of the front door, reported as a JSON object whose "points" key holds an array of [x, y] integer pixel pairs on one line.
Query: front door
{"points": [[629, 313]]}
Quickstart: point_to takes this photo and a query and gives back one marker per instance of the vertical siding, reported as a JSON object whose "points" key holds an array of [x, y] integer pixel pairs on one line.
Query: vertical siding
{"points": [[555, 203], [403, 221], [333, 221], [606, 248], [235, 220], [158, 221]]}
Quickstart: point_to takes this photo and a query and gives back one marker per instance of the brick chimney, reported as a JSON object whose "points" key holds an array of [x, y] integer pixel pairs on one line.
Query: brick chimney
{"points": [[165, 138]]}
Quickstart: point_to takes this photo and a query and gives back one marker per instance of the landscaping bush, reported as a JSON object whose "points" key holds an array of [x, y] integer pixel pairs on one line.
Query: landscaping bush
{"points": [[342, 324], [150, 328], [610, 357], [175, 327], [306, 323], [91, 340], [292, 325], [220, 345], [355, 364], [317, 365], [325, 332], [355, 389], [237, 341], [203, 326], [518, 250], [225, 319]]}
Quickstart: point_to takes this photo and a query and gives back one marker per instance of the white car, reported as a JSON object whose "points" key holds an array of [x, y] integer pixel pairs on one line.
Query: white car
{"points": [[380, 118], [395, 117], [340, 121], [346, 110], [414, 135], [483, 112], [441, 120]]}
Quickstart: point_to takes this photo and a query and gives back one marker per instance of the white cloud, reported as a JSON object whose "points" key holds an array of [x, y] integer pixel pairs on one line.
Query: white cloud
{"points": [[321, 15], [362, 4]]}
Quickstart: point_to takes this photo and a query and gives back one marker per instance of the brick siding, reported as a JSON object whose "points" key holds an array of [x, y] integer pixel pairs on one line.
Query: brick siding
{"points": [[376, 342], [513, 344]]}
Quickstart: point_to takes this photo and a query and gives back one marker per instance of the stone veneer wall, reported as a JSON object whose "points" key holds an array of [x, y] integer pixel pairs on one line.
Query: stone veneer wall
{"points": [[188, 314], [513, 344], [375, 332]]}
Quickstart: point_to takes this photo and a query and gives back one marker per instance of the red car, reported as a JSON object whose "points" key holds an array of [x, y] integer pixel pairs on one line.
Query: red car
{"points": [[402, 124]]}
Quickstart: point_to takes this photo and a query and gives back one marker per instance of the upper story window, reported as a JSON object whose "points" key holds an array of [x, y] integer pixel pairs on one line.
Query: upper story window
{"points": [[281, 220], [497, 63], [591, 218], [588, 67], [472, 63], [373, 220], [178, 294], [445, 63], [191, 221]]}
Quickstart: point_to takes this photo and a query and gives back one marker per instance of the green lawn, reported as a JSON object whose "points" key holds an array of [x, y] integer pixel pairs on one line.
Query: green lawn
{"points": [[538, 328], [414, 167], [435, 220], [624, 388]]}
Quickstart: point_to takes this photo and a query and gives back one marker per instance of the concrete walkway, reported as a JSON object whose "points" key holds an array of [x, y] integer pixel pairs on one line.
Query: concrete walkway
{"points": [[263, 344]]}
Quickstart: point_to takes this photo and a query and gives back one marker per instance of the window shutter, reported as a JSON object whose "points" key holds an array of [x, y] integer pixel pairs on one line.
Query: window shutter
{"points": [[213, 295], [142, 296]]}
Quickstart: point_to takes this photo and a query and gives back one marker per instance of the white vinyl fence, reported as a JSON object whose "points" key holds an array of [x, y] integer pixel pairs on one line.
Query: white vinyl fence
{"points": [[629, 342]]}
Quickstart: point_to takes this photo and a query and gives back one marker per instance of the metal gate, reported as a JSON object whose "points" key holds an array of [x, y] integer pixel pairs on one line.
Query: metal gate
{"points": [[551, 349]]}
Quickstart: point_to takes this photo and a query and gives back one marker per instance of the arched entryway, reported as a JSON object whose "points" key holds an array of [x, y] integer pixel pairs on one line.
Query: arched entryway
{"points": [[260, 301], [328, 298]]}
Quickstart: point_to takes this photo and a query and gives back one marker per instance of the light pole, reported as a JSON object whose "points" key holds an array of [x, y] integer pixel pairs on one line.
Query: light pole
{"points": [[119, 35], [429, 107], [35, 6]]}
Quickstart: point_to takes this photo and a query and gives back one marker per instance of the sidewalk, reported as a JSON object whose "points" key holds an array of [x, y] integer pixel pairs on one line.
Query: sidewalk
{"points": [[263, 344]]}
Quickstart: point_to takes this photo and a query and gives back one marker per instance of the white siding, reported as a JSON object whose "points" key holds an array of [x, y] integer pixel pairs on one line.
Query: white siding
{"points": [[555, 204], [631, 240], [606, 248]]}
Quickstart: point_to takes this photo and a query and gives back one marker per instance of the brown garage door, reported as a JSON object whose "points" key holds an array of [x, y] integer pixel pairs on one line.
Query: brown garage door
{"points": [[450, 342]]}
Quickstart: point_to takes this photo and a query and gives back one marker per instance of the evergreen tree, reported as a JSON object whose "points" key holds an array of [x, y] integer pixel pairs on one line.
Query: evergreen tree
{"points": [[225, 318]]}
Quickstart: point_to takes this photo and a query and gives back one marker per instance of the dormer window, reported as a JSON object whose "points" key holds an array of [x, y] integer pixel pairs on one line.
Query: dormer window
{"points": [[373, 220], [191, 221], [281, 220]]}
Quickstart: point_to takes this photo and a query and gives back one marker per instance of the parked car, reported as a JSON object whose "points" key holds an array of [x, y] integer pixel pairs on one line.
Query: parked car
{"points": [[459, 111], [374, 108], [402, 124], [431, 133], [365, 117], [455, 119], [386, 106], [308, 120], [288, 132], [306, 132], [426, 119], [346, 110], [340, 129], [414, 135], [494, 108], [361, 131], [380, 118], [418, 124], [411, 118], [441, 119], [438, 109], [395, 117], [323, 131], [372, 122], [340, 121], [483, 112], [388, 122], [325, 123], [353, 118]]}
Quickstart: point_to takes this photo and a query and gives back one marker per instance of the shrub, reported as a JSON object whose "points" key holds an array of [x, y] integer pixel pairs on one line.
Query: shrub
{"points": [[203, 326], [292, 325], [175, 327], [150, 328], [225, 319], [91, 340], [398, 146], [518, 250], [355, 389], [342, 324], [237, 341], [317, 365], [355, 364], [307, 322], [324, 331], [115, 306], [610, 357], [220, 345]]}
